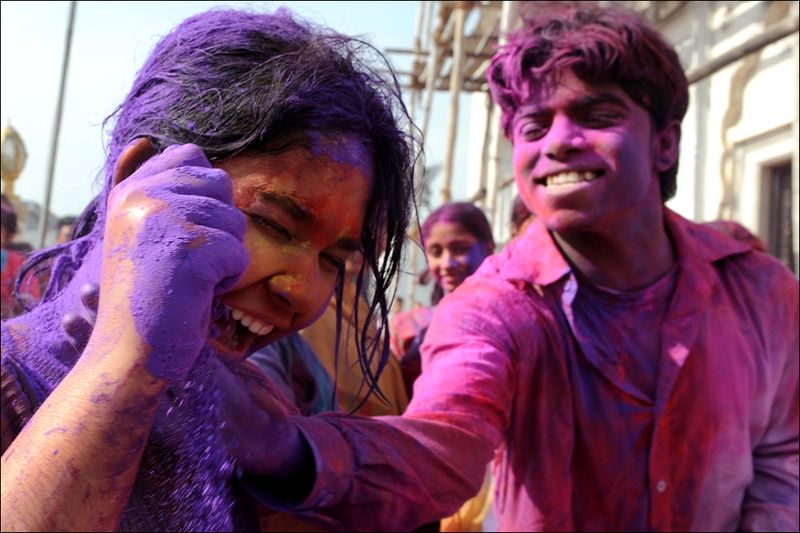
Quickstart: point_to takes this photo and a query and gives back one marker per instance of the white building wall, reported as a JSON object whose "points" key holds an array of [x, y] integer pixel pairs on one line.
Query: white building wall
{"points": [[725, 136]]}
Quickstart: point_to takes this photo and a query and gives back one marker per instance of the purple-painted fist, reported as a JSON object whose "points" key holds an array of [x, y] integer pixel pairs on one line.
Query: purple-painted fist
{"points": [[173, 240]]}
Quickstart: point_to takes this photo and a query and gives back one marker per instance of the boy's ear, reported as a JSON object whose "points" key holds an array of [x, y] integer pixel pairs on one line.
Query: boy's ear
{"points": [[132, 157], [666, 144]]}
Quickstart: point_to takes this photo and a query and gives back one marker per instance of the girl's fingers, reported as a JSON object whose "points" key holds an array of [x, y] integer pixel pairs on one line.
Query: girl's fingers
{"points": [[90, 298], [78, 330]]}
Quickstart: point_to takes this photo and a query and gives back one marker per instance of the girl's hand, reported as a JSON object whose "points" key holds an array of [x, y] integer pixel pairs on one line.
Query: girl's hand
{"points": [[78, 323], [258, 431], [173, 240]]}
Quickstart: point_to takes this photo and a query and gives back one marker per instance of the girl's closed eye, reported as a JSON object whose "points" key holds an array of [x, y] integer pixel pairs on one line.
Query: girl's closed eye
{"points": [[271, 226], [333, 261]]}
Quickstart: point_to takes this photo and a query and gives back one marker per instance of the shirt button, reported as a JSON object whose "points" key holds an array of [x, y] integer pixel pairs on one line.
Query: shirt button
{"points": [[661, 486]]}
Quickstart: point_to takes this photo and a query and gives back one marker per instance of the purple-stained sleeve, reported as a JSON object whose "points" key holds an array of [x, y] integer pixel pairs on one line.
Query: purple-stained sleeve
{"points": [[773, 498], [395, 473]]}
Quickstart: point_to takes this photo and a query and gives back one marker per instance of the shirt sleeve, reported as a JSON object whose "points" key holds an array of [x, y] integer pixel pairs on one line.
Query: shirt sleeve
{"points": [[772, 500], [395, 473]]}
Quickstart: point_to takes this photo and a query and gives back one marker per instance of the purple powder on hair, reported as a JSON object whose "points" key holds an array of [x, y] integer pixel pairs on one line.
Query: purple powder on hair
{"points": [[343, 149]]}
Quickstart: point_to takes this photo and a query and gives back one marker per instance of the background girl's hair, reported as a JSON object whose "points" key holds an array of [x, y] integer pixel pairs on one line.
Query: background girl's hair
{"points": [[230, 81], [466, 215]]}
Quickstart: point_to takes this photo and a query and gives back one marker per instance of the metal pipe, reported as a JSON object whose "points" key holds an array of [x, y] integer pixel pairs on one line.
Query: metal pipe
{"points": [[415, 93], [473, 57], [480, 196], [406, 51], [493, 167], [456, 79], [43, 216], [431, 73], [427, 33], [412, 110]]}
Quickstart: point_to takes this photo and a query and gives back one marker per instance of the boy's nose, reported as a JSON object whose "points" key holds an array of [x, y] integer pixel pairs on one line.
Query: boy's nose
{"points": [[564, 138]]}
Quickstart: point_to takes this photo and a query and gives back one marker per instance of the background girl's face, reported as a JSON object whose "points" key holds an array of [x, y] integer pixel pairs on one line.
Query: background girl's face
{"points": [[453, 254], [305, 209]]}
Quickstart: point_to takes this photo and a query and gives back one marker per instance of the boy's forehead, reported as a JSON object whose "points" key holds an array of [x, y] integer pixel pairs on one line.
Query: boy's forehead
{"points": [[572, 88]]}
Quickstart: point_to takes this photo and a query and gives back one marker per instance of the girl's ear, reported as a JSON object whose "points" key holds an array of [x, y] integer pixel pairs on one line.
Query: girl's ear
{"points": [[132, 157]]}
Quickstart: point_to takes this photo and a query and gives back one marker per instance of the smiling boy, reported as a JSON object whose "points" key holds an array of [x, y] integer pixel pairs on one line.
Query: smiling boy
{"points": [[636, 371]]}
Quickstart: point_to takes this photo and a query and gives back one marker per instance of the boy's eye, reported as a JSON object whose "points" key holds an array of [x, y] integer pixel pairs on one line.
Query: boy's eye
{"points": [[531, 130], [602, 118]]}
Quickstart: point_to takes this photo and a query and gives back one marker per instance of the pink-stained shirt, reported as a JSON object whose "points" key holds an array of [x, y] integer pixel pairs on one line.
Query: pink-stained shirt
{"points": [[714, 448]]}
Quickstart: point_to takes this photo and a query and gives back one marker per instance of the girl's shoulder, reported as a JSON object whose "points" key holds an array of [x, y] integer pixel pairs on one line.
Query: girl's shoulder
{"points": [[406, 326]]}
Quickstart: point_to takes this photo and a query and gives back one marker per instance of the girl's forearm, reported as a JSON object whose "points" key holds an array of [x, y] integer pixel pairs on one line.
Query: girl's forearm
{"points": [[74, 464]]}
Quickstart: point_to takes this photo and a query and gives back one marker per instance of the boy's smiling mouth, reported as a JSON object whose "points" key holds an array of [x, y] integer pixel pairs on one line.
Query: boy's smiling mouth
{"points": [[568, 177]]}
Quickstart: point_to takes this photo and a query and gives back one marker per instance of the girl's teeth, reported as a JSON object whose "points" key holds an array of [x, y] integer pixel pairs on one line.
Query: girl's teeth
{"points": [[253, 324]]}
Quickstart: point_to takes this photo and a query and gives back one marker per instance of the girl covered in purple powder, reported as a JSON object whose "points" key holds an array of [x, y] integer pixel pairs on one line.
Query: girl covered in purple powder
{"points": [[254, 154]]}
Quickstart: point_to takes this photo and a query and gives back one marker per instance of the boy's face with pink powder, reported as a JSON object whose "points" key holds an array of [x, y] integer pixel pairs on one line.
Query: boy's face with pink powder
{"points": [[587, 157]]}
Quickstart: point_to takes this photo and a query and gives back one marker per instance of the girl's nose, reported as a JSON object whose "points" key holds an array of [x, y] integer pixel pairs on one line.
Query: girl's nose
{"points": [[300, 286], [450, 260]]}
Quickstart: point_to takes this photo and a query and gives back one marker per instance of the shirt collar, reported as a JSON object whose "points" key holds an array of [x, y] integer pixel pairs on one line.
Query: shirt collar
{"points": [[698, 242], [534, 257]]}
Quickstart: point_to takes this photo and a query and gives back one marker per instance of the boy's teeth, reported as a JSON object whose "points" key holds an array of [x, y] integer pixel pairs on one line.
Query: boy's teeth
{"points": [[237, 314], [567, 178]]}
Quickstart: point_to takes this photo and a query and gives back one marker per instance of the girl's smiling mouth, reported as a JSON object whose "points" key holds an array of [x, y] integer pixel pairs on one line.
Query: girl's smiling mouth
{"points": [[234, 332]]}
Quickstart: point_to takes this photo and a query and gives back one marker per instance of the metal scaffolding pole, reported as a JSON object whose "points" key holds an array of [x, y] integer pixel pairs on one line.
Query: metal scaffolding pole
{"points": [[43, 216], [431, 74], [493, 177], [456, 81]]}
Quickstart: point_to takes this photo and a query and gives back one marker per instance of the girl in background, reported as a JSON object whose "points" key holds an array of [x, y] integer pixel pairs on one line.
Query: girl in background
{"points": [[457, 238]]}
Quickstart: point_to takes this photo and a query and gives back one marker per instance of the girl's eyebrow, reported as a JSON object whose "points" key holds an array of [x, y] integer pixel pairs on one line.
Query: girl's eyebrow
{"points": [[302, 215], [288, 205], [349, 245]]}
